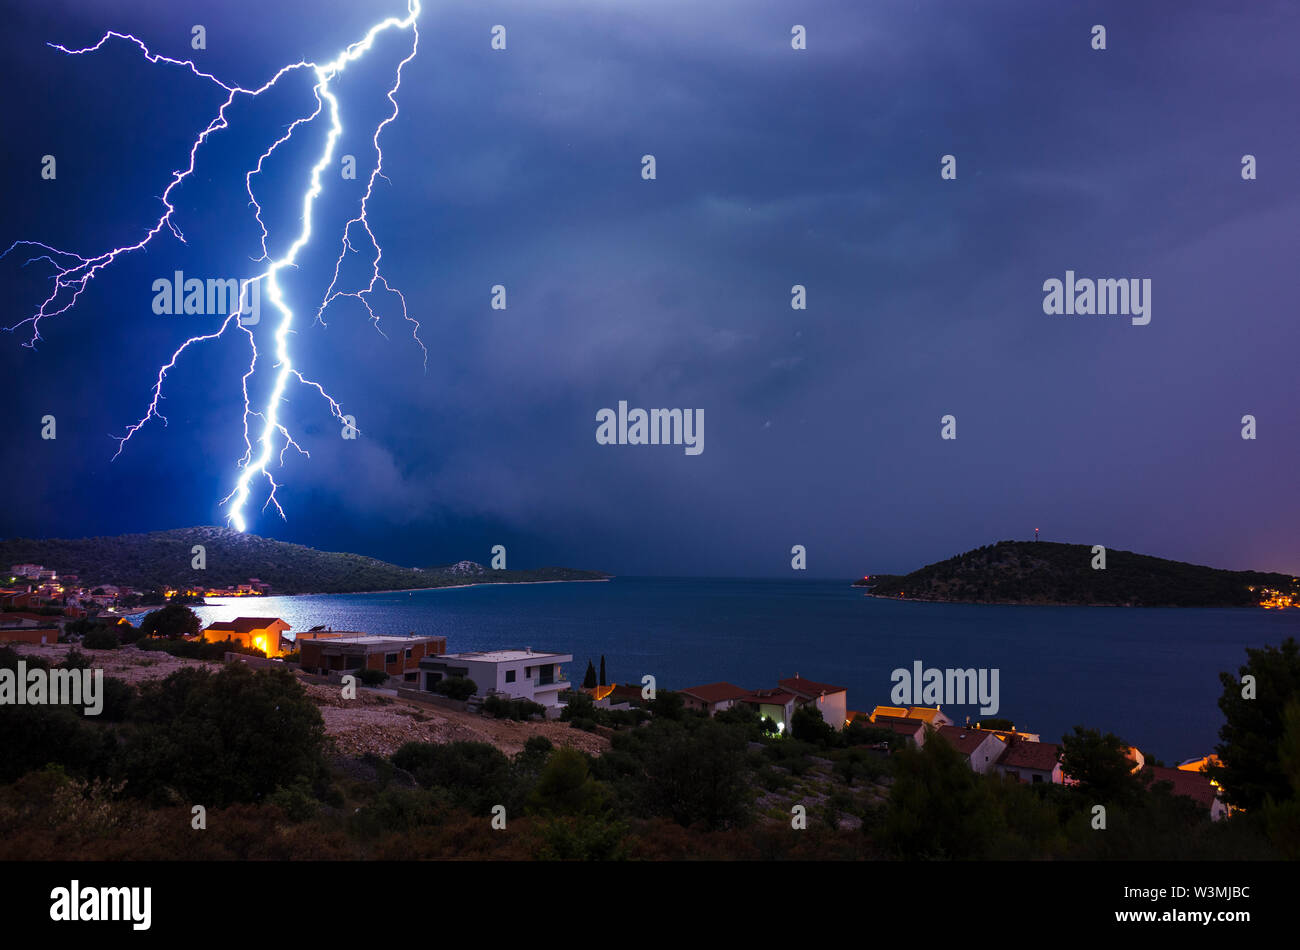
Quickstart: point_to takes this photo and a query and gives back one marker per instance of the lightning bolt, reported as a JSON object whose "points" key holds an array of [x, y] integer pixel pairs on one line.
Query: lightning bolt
{"points": [[72, 273]]}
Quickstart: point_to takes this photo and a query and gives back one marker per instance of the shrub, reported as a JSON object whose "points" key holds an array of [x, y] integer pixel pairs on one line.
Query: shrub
{"points": [[235, 735], [369, 677], [475, 774], [101, 638], [456, 687], [539, 745], [296, 800], [75, 660], [517, 709]]}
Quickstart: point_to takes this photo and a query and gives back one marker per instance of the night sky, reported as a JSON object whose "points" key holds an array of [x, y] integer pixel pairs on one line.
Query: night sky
{"points": [[775, 167]]}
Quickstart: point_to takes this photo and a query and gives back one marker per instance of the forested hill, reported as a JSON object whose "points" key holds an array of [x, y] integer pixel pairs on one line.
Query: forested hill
{"points": [[163, 558], [1045, 572]]}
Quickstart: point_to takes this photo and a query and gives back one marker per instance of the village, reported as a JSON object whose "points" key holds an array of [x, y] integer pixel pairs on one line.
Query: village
{"points": [[478, 684]]}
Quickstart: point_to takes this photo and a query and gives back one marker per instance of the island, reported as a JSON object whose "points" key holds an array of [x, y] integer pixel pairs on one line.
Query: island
{"points": [[1052, 573]]}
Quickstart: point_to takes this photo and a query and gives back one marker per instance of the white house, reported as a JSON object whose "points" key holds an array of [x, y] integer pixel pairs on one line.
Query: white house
{"points": [[830, 701], [1031, 762], [520, 674], [775, 704], [712, 698], [981, 749]]}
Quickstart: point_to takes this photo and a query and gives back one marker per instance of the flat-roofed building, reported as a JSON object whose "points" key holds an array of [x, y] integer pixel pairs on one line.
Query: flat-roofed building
{"points": [[519, 674], [397, 656], [34, 635]]}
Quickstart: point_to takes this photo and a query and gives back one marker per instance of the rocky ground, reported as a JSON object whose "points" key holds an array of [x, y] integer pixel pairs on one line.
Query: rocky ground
{"points": [[373, 722]]}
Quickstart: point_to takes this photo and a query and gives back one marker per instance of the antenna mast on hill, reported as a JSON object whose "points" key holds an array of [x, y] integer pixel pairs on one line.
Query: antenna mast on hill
{"points": [[1035, 534]]}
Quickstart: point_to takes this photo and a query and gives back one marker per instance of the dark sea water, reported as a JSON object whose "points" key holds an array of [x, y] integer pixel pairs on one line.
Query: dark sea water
{"points": [[1148, 675]]}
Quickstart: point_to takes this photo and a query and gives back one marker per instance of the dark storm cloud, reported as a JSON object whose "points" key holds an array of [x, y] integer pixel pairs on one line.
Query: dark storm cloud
{"points": [[775, 167]]}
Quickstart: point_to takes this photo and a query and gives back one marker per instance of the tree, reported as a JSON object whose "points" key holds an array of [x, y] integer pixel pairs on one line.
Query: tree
{"points": [[807, 725], [589, 680], [938, 807], [602, 669], [1252, 772], [667, 704], [696, 774], [566, 788], [217, 738], [172, 622], [1100, 764]]}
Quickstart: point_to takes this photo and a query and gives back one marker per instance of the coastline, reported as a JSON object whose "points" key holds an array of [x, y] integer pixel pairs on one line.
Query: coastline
{"points": [[1055, 603], [411, 590]]}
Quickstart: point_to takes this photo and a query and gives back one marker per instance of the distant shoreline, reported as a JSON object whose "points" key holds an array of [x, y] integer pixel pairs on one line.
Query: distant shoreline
{"points": [[1064, 603], [411, 590]]}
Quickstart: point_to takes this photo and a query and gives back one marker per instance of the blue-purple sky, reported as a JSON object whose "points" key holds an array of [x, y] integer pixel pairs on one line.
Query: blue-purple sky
{"points": [[775, 166]]}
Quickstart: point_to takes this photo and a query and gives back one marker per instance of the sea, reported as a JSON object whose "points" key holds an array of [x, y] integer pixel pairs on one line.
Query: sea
{"points": [[1149, 675]]}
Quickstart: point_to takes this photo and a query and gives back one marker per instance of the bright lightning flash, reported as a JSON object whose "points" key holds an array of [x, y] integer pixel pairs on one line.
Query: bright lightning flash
{"points": [[73, 273]]}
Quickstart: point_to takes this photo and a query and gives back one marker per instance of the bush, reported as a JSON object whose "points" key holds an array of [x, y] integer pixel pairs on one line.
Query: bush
{"points": [[539, 745], [296, 800], [75, 660], [517, 709], [118, 700], [128, 633], [235, 735], [101, 638], [456, 687], [475, 774], [369, 677]]}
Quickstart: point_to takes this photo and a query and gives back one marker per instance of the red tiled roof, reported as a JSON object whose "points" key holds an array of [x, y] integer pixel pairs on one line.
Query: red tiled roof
{"points": [[716, 692], [246, 624], [797, 684], [1041, 756], [772, 697], [905, 727], [1195, 785], [962, 739]]}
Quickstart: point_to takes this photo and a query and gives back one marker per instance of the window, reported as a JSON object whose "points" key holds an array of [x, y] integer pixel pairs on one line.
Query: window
{"points": [[408, 653], [390, 657], [510, 676]]}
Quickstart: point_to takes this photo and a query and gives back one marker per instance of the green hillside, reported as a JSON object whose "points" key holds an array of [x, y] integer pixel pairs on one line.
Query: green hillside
{"points": [[162, 558], [1045, 572]]}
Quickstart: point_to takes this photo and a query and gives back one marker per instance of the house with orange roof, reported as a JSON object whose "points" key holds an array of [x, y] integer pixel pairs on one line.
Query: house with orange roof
{"points": [[258, 633]]}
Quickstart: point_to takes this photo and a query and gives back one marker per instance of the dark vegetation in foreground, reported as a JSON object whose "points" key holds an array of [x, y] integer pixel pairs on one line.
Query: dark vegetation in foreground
{"points": [[1046, 572], [250, 748]]}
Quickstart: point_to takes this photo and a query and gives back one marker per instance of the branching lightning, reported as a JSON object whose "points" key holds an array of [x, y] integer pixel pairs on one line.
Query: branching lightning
{"points": [[72, 273]]}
